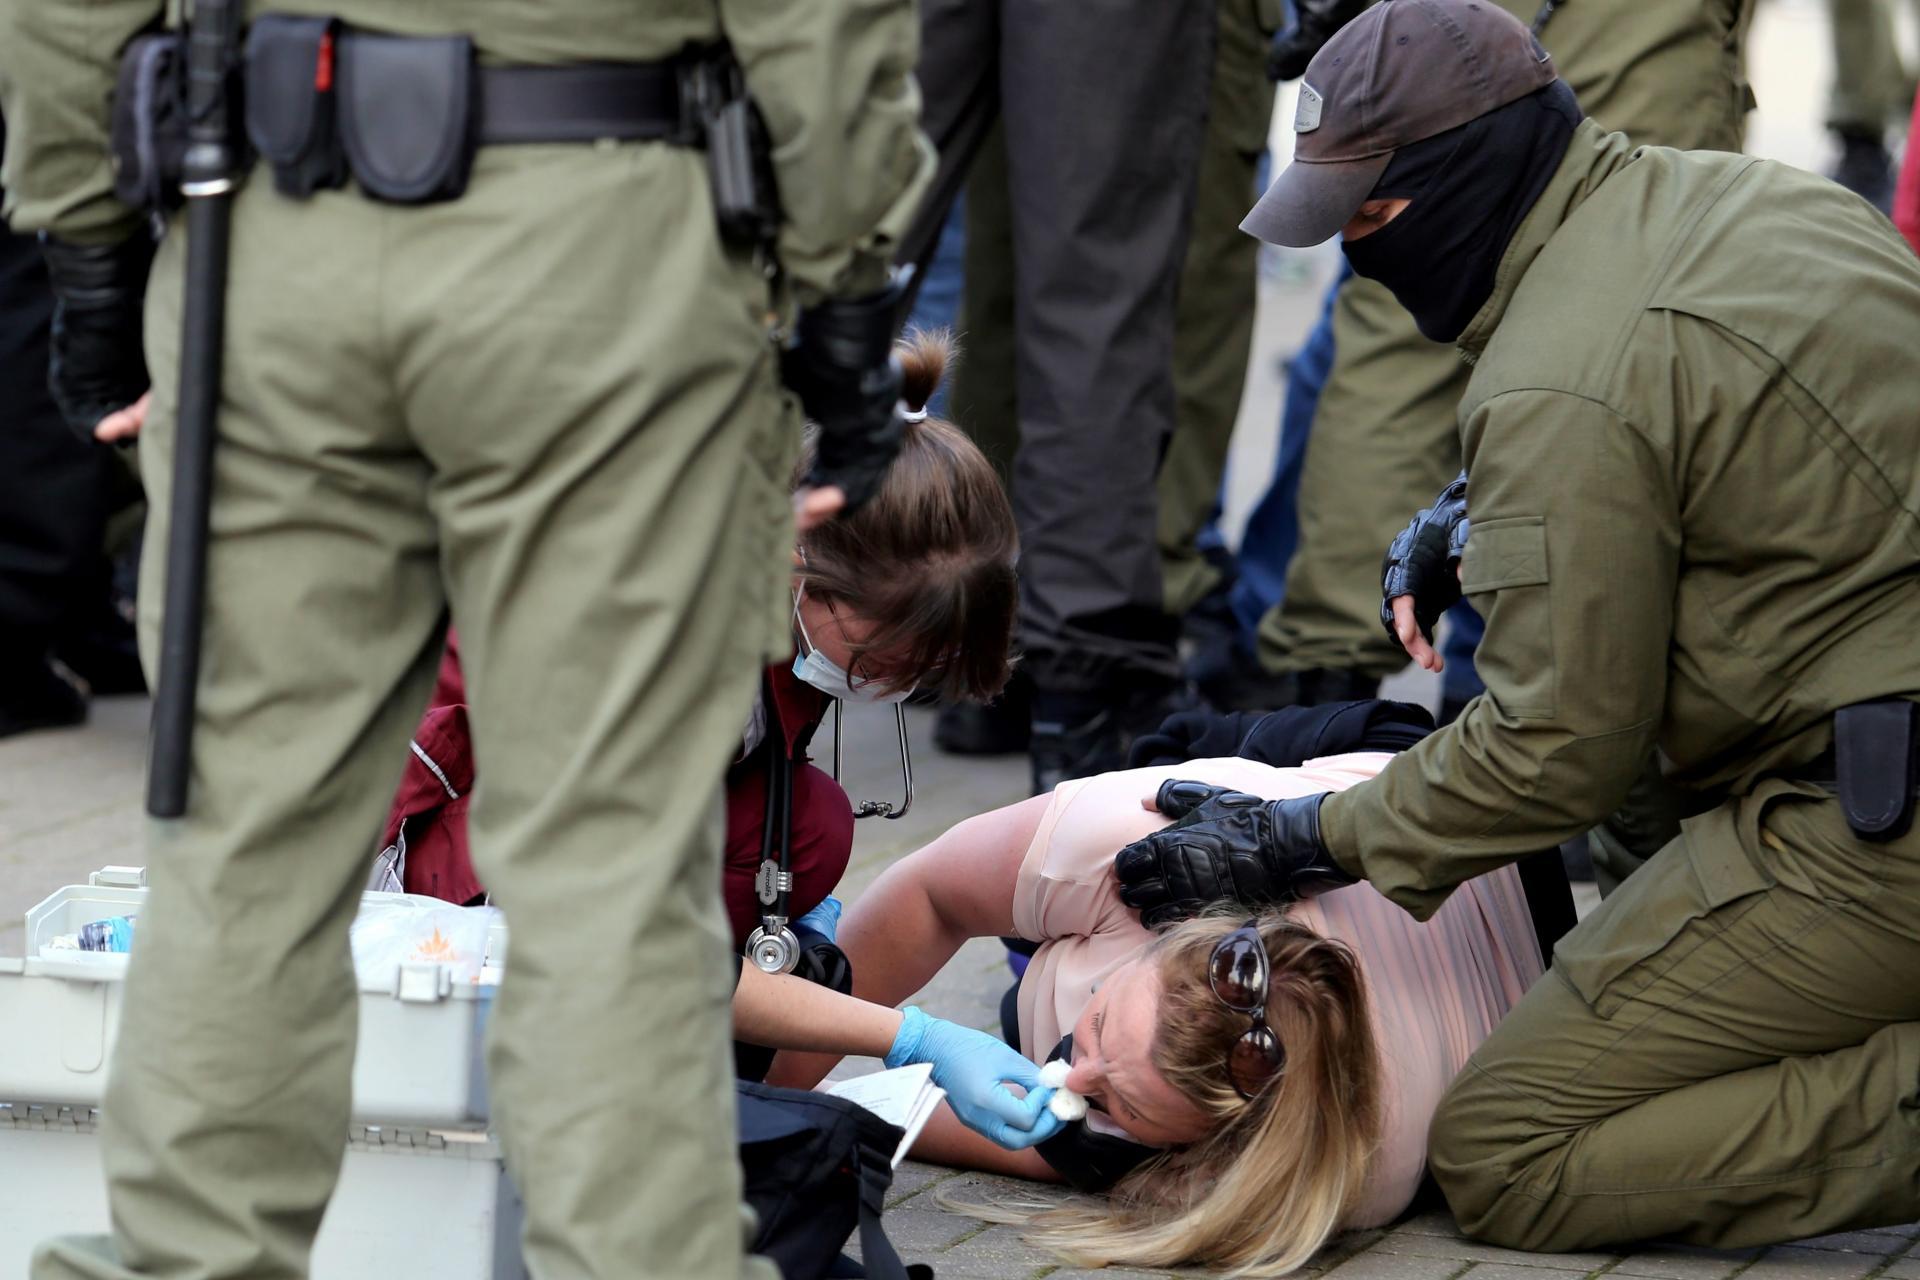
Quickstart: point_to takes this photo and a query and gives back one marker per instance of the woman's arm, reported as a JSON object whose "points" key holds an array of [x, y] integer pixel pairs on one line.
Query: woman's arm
{"points": [[915, 916], [780, 1011], [945, 1141], [901, 931]]}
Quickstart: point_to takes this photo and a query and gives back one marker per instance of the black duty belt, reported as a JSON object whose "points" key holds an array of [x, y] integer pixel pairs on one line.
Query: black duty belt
{"points": [[623, 101], [403, 115]]}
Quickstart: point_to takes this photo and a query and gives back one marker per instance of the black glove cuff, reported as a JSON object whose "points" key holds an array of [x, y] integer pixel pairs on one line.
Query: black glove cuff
{"points": [[98, 275], [843, 369], [1310, 867], [851, 334], [97, 365]]}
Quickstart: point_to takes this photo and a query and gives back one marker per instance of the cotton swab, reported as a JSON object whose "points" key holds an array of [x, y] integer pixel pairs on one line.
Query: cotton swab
{"points": [[1065, 1103]]}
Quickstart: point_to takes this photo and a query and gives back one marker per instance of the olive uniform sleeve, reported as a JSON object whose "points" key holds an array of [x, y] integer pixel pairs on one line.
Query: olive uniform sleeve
{"points": [[834, 81], [1573, 561], [57, 65]]}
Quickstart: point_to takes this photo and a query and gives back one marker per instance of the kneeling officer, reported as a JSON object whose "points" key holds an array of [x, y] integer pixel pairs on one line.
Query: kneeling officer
{"points": [[1695, 486], [502, 337]]}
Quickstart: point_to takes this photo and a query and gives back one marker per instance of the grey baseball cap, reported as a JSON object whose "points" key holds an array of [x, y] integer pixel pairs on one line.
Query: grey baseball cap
{"points": [[1402, 71]]}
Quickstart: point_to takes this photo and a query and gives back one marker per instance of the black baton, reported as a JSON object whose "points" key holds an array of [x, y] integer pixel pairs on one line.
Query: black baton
{"points": [[208, 174]]}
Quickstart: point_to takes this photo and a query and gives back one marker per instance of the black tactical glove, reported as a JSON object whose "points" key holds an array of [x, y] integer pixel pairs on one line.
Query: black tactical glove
{"points": [[1314, 22], [98, 366], [1225, 845], [842, 367], [1423, 561]]}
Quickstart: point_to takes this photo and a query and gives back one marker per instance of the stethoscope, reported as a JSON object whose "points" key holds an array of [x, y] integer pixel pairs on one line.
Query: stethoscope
{"points": [[772, 947]]}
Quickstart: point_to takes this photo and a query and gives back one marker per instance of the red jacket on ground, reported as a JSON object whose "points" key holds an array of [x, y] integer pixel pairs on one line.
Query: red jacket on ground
{"points": [[1906, 192], [430, 808]]}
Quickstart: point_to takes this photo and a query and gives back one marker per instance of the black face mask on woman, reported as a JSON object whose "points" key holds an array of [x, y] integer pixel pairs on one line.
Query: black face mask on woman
{"points": [[1468, 190], [1091, 1161]]}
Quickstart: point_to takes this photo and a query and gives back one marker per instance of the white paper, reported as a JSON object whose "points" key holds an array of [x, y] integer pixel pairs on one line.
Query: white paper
{"points": [[905, 1097]]}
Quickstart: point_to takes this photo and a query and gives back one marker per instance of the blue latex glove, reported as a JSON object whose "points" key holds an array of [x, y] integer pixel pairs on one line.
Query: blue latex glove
{"points": [[823, 919], [974, 1069]]}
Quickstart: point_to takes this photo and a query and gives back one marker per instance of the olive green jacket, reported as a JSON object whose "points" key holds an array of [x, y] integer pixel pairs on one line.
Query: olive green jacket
{"points": [[1666, 69], [832, 77], [1695, 460]]}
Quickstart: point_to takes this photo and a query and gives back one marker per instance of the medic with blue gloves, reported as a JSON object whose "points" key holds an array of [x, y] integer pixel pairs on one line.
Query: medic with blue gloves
{"points": [[782, 1011]]}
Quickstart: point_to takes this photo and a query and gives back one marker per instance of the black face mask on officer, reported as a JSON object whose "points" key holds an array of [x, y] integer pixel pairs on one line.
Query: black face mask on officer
{"points": [[1468, 189]]}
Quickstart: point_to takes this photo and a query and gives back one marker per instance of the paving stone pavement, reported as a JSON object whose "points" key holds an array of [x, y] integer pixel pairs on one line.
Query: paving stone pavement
{"points": [[69, 803], [927, 1225]]}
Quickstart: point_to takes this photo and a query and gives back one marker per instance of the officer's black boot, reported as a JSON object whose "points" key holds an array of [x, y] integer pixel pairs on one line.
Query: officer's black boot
{"points": [[1211, 619], [102, 650], [1864, 167], [1229, 678], [999, 728], [1077, 735], [1321, 685], [35, 696]]}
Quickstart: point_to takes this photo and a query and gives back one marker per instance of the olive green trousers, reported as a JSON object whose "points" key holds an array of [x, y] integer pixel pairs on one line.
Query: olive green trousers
{"points": [[551, 408], [1213, 319], [1872, 87], [1726, 1052], [1384, 440]]}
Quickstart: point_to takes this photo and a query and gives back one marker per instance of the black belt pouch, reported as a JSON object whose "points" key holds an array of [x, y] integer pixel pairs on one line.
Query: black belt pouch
{"points": [[290, 102], [407, 114], [149, 122], [1877, 765]]}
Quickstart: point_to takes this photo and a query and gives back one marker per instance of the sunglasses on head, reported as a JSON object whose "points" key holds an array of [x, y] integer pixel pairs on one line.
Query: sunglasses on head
{"points": [[1239, 975]]}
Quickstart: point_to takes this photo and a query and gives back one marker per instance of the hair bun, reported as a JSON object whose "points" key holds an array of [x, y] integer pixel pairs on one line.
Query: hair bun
{"points": [[924, 356]]}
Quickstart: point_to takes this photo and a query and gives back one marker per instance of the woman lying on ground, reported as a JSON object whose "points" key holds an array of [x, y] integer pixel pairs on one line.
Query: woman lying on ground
{"points": [[1256, 1085]]}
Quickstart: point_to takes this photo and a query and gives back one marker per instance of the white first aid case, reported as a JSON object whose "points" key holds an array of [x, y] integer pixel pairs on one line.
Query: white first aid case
{"points": [[423, 1192]]}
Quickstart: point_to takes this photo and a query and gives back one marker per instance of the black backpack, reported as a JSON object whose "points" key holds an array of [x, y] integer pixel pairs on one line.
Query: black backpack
{"points": [[817, 1167]]}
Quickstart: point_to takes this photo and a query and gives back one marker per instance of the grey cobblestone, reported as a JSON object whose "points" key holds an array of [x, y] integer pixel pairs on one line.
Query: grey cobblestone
{"points": [[918, 1232], [997, 1253], [1903, 1269], [1504, 1271], [1684, 1262], [1792, 1263], [1880, 1242], [1379, 1265], [1464, 1250], [911, 1178]]}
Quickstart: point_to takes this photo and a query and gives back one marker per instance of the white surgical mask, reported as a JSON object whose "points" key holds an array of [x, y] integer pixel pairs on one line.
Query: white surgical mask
{"points": [[823, 673]]}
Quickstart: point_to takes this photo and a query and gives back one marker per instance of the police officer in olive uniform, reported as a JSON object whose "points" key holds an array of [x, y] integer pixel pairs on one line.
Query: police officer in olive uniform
{"points": [[1695, 500], [544, 396], [1872, 92], [1383, 440]]}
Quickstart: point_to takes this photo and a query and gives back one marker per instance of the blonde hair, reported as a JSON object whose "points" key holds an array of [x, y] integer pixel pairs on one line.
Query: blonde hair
{"points": [[1273, 1180]]}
